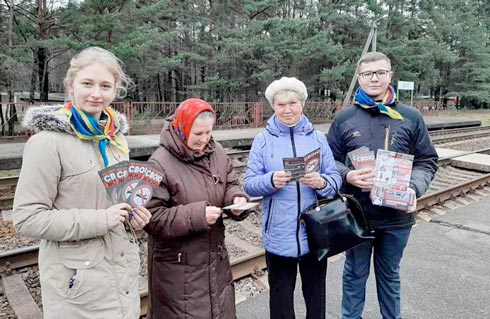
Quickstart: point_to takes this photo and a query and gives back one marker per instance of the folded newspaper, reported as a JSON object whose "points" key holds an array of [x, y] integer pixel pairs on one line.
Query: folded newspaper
{"points": [[390, 189]]}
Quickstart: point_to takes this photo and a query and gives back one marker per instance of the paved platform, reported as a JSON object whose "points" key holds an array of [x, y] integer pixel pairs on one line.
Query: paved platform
{"points": [[437, 123], [144, 145], [464, 159], [449, 153], [478, 162], [445, 272]]}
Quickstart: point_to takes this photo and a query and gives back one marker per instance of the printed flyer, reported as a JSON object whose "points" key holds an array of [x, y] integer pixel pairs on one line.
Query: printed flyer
{"points": [[299, 166], [390, 189], [131, 182], [361, 158]]}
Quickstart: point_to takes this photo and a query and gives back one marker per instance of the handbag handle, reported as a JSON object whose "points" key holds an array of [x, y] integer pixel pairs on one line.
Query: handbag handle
{"points": [[343, 197]]}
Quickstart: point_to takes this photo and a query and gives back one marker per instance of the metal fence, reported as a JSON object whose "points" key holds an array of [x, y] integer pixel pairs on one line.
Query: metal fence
{"points": [[11, 115], [148, 117]]}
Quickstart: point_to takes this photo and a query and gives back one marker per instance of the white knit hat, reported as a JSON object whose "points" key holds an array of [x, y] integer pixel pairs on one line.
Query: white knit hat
{"points": [[285, 84]]}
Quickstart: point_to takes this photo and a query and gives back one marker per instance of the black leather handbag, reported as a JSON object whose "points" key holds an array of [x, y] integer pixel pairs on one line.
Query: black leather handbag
{"points": [[334, 225]]}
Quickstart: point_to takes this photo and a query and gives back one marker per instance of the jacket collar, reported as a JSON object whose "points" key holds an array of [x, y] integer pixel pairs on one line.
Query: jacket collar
{"points": [[50, 118], [277, 128], [171, 142]]}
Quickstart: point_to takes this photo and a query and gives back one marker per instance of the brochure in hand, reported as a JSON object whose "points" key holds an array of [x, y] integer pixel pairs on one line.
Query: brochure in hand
{"points": [[243, 208], [131, 182], [299, 166], [393, 169], [390, 189], [361, 158]]}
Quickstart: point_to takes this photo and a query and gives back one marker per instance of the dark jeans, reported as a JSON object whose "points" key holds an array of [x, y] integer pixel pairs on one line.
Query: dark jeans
{"points": [[282, 280], [387, 249]]}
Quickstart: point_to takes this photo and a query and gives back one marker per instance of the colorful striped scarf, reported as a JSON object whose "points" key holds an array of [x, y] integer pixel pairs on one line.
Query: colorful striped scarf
{"points": [[365, 101], [87, 128]]}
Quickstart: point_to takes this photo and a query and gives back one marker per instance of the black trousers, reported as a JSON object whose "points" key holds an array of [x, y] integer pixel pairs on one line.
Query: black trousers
{"points": [[282, 280]]}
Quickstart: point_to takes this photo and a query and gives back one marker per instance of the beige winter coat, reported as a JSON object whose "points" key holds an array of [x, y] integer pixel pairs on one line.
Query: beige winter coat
{"points": [[61, 200]]}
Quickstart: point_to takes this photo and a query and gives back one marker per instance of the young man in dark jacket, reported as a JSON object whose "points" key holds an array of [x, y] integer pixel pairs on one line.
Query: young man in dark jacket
{"points": [[376, 120]]}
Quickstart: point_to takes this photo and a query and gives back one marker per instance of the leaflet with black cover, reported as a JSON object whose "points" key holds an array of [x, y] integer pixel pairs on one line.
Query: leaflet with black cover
{"points": [[299, 166], [361, 158], [131, 182]]}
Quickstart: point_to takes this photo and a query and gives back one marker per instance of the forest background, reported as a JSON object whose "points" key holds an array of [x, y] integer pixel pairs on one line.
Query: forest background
{"points": [[227, 50]]}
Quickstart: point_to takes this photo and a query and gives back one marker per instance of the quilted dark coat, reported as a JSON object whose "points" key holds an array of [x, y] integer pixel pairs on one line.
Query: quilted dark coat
{"points": [[188, 265]]}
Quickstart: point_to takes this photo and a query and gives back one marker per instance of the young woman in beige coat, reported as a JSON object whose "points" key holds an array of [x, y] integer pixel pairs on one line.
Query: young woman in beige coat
{"points": [[88, 261]]}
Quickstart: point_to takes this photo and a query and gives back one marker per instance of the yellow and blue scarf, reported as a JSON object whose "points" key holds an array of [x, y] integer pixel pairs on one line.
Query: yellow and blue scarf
{"points": [[87, 128], [365, 101]]}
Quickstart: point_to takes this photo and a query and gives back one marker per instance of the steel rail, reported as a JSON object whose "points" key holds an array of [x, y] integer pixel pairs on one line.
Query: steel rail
{"points": [[459, 137], [27, 256], [250, 263], [452, 192], [240, 267], [18, 258], [246, 265], [6, 202], [9, 181], [458, 130]]}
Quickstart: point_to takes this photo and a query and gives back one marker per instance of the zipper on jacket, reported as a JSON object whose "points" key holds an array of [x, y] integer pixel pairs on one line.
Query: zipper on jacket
{"points": [[269, 216], [298, 191], [171, 258]]}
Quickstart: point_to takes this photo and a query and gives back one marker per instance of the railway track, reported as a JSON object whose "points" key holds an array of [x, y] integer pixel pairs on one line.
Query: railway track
{"points": [[249, 259], [16, 262], [449, 183], [243, 239], [453, 135], [7, 190], [240, 158], [458, 130]]}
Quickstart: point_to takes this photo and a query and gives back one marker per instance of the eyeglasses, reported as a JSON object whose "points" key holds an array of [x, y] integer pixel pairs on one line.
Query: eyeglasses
{"points": [[381, 74]]}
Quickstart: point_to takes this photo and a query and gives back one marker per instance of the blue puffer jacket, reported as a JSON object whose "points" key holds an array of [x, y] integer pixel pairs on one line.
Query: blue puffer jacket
{"points": [[282, 232]]}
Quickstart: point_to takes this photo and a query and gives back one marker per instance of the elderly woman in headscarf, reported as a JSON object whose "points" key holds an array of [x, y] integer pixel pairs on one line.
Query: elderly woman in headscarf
{"points": [[289, 134], [189, 269]]}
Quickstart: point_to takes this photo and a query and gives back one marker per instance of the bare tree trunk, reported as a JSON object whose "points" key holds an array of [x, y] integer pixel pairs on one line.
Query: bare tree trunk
{"points": [[12, 114], [42, 53], [168, 84], [159, 83], [42, 74], [33, 78], [11, 23]]}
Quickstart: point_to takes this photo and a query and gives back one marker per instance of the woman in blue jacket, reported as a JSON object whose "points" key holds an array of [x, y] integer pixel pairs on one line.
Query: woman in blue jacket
{"points": [[290, 134]]}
